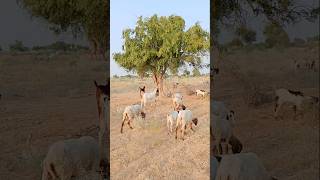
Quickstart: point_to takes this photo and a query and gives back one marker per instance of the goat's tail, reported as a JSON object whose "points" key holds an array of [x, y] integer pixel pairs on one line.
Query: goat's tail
{"points": [[95, 83]]}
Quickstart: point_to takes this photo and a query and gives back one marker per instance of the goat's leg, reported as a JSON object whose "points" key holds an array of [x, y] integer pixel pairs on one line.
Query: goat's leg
{"points": [[182, 132], [191, 127], [177, 131], [129, 123], [122, 126]]}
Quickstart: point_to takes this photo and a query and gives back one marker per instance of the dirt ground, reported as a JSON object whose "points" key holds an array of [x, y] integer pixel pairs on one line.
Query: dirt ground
{"points": [[148, 151], [43, 101], [288, 148]]}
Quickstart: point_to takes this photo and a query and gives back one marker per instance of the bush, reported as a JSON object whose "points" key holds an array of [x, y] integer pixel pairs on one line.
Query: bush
{"points": [[18, 46], [298, 42], [236, 42], [196, 72], [276, 36]]}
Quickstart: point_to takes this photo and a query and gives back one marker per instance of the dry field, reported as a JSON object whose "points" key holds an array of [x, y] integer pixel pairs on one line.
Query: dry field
{"points": [[148, 151], [43, 100], [288, 148]]}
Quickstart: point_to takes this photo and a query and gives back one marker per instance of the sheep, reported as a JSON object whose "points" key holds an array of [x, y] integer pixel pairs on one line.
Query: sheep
{"points": [[130, 112], [185, 119], [70, 158], [243, 166], [296, 98], [201, 92], [219, 108], [149, 97], [171, 118], [176, 102], [221, 132]]}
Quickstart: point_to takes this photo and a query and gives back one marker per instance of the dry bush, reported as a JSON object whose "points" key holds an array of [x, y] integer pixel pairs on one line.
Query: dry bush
{"points": [[255, 96]]}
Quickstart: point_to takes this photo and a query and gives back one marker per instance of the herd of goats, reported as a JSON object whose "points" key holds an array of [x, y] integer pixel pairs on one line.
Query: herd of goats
{"points": [[70, 158]]}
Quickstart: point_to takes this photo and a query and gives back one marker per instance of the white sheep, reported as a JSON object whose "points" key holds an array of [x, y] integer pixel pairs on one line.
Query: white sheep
{"points": [[296, 98], [242, 166], [219, 108], [70, 158], [185, 120], [171, 119], [149, 97], [221, 130], [130, 112], [200, 92]]}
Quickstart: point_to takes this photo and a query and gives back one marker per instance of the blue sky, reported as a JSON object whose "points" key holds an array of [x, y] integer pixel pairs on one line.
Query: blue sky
{"points": [[124, 14]]}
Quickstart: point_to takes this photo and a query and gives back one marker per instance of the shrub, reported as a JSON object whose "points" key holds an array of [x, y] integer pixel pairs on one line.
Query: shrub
{"points": [[18, 46]]}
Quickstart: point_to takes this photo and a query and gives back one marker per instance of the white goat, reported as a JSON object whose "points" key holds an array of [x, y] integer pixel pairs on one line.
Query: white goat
{"points": [[130, 112], [201, 92], [220, 109], [149, 97], [185, 119], [293, 97], [243, 166], [171, 119], [221, 131], [176, 102], [72, 157]]}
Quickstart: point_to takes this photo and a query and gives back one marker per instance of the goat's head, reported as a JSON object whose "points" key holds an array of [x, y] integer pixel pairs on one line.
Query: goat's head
{"points": [[143, 114], [230, 117], [195, 121]]}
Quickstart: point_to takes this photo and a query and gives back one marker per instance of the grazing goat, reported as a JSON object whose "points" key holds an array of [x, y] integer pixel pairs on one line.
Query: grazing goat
{"points": [[130, 112], [219, 108], [70, 158], [201, 92], [171, 118], [184, 120], [142, 90], [243, 166], [296, 98], [177, 101], [221, 132], [149, 97]]}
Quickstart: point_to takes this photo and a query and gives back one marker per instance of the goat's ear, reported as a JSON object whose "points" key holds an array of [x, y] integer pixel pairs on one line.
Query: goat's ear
{"points": [[227, 117], [218, 158]]}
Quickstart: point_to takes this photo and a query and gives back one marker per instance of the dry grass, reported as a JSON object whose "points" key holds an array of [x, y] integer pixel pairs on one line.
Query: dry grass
{"points": [[288, 148], [50, 99], [147, 151]]}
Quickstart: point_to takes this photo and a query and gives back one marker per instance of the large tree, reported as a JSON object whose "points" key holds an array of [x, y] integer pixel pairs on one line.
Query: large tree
{"points": [[82, 17], [160, 44]]}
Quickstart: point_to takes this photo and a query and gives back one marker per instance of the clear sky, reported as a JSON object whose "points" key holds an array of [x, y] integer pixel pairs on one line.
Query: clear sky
{"points": [[124, 14]]}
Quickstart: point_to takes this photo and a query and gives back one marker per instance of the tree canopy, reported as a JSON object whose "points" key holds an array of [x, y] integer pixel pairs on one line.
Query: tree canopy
{"points": [[88, 17], [160, 44]]}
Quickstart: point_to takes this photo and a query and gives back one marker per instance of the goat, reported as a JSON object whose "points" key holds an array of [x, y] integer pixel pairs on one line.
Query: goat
{"points": [[185, 119], [201, 92], [296, 98], [149, 97], [142, 90], [219, 108], [130, 113], [243, 166], [70, 158]]}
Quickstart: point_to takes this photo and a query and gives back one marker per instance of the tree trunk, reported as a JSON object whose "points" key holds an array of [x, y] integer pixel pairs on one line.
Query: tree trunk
{"points": [[158, 80]]}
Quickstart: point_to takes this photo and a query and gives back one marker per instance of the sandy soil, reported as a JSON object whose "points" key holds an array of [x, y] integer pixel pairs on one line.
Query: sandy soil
{"points": [[288, 148], [43, 100], [148, 151]]}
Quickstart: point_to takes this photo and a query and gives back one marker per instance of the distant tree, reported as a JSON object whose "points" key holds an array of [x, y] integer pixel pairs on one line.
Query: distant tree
{"points": [[160, 44], [247, 35], [298, 42], [115, 76], [236, 42], [275, 35], [88, 17], [18, 46], [196, 72]]}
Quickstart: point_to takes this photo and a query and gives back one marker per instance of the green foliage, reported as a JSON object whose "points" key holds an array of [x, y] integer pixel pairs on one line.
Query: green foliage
{"points": [[158, 44], [246, 35], [115, 76], [90, 17], [275, 35], [196, 72], [18, 46]]}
